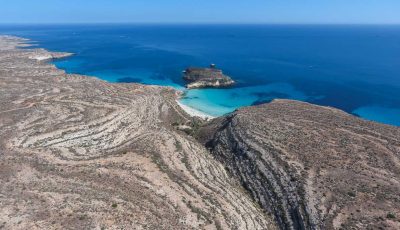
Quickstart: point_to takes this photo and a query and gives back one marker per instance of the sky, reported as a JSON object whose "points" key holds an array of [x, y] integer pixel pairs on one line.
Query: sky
{"points": [[201, 11]]}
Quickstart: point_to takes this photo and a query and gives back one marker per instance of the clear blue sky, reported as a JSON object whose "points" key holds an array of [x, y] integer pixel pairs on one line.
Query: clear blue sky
{"points": [[200, 11]]}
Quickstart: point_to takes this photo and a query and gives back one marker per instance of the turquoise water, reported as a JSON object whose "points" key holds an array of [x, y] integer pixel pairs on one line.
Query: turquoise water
{"points": [[216, 102], [378, 113], [353, 68]]}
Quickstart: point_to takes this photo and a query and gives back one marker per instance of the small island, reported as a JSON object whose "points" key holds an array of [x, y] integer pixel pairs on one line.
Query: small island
{"points": [[206, 78]]}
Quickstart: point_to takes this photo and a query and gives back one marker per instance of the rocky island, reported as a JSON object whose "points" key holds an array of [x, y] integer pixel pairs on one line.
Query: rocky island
{"points": [[80, 153], [206, 78]]}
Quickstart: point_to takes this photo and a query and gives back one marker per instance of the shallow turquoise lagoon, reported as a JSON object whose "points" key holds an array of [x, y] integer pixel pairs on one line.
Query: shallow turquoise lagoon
{"points": [[218, 102]]}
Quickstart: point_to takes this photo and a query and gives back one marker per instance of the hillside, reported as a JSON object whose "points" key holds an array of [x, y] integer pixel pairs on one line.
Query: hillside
{"points": [[312, 167], [80, 153]]}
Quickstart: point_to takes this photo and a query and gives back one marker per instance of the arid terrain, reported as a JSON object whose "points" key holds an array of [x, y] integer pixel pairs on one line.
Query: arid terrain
{"points": [[80, 153], [312, 167]]}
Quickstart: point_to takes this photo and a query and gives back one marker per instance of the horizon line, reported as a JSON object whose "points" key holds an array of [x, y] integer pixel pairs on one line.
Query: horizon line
{"points": [[191, 23]]}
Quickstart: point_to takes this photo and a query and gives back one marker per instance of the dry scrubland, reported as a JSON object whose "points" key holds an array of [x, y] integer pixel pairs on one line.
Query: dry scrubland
{"points": [[79, 153], [312, 167]]}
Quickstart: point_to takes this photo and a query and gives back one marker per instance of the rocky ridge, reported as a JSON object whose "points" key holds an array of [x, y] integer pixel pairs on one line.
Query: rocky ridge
{"points": [[312, 167]]}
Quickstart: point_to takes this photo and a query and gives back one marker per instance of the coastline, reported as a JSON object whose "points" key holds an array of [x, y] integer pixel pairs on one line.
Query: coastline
{"points": [[108, 150], [112, 150], [42, 55], [194, 112]]}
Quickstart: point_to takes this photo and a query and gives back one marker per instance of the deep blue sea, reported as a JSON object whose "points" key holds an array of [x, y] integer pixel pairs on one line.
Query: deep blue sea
{"points": [[353, 68]]}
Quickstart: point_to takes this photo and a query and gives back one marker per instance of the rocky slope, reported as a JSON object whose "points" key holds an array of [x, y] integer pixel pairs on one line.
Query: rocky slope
{"points": [[79, 153], [312, 167]]}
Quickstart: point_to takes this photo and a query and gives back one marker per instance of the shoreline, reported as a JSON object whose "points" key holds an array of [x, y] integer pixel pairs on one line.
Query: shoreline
{"points": [[49, 56], [72, 138], [42, 55], [194, 112]]}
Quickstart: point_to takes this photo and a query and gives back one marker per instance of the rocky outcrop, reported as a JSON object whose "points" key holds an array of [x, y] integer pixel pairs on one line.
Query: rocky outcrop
{"points": [[206, 78], [43, 55], [312, 167], [80, 153]]}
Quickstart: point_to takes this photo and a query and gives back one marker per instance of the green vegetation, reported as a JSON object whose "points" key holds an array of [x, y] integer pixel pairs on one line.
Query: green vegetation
{"points": [[178, 146], [200, 213], [351, 193], [218, 225], [196, 124], [391, 215]]}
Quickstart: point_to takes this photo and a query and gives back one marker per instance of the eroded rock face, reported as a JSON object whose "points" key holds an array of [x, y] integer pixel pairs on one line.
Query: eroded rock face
{"points": [[312, 167], [80, 153]]}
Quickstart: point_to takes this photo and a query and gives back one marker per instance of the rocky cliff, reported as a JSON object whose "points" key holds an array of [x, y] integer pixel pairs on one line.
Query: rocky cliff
{"points": [[312, 167]]}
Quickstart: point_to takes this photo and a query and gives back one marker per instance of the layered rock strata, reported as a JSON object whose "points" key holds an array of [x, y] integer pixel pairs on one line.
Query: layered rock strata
{"points": [[80, 153], [312, 167]]}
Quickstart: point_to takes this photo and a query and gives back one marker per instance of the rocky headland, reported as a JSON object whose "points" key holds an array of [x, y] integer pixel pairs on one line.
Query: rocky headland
{"points": [[206, 78], [80, 153], [312, 167]]}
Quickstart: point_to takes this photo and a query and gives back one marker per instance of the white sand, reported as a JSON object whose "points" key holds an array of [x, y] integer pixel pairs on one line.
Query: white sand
{"points": [[41, 57], [194, 113]]}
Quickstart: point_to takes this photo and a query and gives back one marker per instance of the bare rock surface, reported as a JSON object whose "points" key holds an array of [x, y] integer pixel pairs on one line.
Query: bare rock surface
{"points": [[312, 167], [79, 153]]}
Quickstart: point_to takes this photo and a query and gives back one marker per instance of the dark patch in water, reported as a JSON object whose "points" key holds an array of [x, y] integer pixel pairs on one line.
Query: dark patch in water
{"points": [[342, 96], [268, 97], [191, 97], [355, 114], [259, 102]]}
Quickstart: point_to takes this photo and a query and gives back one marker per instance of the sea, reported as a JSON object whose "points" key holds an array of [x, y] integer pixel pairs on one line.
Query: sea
{"points": [[355, 68]]}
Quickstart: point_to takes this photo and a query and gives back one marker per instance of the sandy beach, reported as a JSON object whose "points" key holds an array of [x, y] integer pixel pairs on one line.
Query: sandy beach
{"points": [[193, 112]]}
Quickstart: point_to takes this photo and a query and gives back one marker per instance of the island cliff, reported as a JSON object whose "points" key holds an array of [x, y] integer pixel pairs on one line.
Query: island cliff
{"points": [[80, 153], [206, 78]]}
